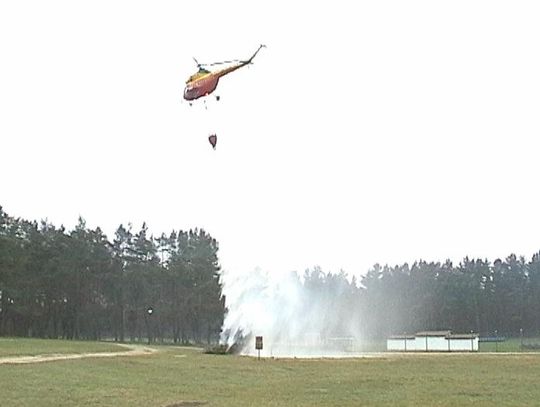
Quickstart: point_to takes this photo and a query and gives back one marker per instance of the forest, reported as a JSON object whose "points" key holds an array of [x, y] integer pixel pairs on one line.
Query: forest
{"points": [[78, 284]]}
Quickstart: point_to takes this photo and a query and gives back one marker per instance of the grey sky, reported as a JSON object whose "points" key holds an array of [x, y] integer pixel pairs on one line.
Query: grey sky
{"points": [[381, 131]]}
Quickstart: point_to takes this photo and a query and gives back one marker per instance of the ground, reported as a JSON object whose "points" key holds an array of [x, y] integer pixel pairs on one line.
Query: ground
{"points": [[133, 350], [182, 377]]}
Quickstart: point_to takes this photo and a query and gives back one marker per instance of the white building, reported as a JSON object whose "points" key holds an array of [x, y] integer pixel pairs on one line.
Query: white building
{"points": [[433, 341], [463, 342], [401, 343]]}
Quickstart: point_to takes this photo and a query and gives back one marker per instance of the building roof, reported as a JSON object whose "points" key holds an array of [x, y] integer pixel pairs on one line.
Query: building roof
{"points": [[462, 336], [401, 337], [445, 334], [433, 333]]}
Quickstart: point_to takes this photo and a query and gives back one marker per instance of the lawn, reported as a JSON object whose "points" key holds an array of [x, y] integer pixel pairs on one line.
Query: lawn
{"points": [[32, 347], [510, 345], [178, 377]]}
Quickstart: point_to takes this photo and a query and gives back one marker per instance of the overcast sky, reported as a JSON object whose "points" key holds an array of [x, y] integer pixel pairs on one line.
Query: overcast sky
{"points": [[373, 131]]}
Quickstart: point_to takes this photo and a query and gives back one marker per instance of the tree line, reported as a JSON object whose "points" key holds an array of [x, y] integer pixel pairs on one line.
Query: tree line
{"points": [[491, 298], [78, 284], [499, 298]]}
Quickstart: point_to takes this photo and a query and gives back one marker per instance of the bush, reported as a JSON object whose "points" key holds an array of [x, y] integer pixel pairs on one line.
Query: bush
{"points": [[224, 349], [220, 349]]}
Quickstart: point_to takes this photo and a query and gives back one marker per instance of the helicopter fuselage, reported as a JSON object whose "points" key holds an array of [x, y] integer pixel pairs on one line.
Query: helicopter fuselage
{"points": [[201, 87], [205, 82]]}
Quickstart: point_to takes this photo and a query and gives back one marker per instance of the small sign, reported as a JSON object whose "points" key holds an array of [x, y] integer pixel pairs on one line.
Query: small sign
{"points": [[258, 342]]}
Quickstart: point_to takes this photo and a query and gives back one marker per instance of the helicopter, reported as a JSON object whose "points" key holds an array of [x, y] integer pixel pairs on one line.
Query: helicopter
{"points": [[204, 82]]}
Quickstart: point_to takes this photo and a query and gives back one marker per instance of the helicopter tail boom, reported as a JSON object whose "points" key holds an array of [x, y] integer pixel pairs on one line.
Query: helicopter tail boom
{"points": [[255, 54], [239, 65]]}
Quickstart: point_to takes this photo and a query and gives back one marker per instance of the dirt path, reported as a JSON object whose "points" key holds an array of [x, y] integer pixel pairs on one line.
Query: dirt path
{"points": [[133, 350]]}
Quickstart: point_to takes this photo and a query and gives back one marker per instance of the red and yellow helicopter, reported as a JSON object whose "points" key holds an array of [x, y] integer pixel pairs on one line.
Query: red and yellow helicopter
{"points": [[204, 82]]}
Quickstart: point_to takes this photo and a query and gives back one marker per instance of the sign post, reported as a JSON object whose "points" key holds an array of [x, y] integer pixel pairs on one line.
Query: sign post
{"points": [[258, 346]]}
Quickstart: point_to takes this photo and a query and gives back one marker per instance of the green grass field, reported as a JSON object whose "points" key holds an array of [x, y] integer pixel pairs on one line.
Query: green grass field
{"points": [[509, 345], [179, 377], [32, 347]]}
